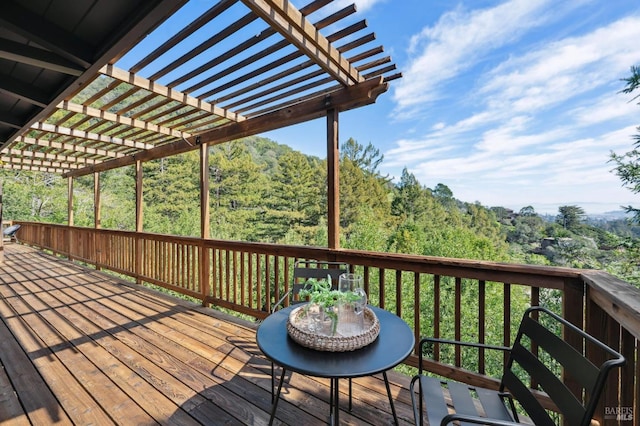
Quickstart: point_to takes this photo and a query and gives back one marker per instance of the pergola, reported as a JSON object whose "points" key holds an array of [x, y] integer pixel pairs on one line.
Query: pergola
{"points": [[240, 68]]}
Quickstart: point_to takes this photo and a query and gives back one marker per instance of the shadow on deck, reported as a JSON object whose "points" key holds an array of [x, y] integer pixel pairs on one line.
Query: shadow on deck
{"points": [[78, 346]]}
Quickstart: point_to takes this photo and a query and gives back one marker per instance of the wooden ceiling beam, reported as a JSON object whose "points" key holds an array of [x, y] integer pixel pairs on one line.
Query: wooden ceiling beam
{"points": [[91, 57], [263, 70], [345, 98], [37, 57], [207, 44], [21, 90], [29, 168], [292, 25], [202, 20], [121, 119], [34, 27], [247, 44]]}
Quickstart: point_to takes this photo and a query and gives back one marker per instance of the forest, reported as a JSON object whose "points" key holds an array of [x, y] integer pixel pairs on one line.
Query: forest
{"points": [[267, 192]]}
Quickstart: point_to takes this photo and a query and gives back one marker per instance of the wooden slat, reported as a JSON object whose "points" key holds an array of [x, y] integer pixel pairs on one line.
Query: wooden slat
{"points": [[281, 15], [87, 135], [167, 92], [109, 116], [434, 399]]}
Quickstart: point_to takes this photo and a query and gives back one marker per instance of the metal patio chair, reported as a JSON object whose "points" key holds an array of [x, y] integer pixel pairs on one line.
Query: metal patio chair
{"points": [[445, 402]]}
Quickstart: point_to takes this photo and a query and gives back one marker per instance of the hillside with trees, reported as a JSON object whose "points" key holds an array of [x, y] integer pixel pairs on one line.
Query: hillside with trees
{"points": [[267, 192]]}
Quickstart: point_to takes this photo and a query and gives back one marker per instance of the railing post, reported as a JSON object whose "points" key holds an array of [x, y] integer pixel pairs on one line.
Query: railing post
{"points": [[69, 216], [573, 311], [205, 265], [596, 325], [139, 221]]}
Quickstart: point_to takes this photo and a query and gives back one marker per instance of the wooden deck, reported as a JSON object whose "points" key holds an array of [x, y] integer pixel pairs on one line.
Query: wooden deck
{"points": [[78, 346]]}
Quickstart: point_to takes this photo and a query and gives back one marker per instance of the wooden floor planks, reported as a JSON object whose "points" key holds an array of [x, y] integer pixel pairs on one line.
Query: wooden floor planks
{"points": [[78, 346]]}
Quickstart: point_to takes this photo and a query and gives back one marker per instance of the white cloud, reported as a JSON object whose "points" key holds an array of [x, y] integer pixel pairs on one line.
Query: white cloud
{"points": [[564, 69], [457, 42], [609, 106]]}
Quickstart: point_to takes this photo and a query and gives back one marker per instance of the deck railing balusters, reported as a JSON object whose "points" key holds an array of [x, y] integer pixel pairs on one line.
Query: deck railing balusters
{"points": [[246, 277]]}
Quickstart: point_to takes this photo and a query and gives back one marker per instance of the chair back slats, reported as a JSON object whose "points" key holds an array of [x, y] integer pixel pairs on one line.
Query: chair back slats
{"points": [[318, 273], [523, 395], [574, 363], [550, 383], [304, 270]]}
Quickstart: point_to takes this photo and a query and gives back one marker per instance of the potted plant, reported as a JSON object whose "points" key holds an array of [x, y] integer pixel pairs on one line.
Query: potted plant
{"points": [[320, 293]]}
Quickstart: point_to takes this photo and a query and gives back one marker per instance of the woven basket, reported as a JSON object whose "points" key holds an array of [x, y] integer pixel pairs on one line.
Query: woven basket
{"points": [[297, 329]]}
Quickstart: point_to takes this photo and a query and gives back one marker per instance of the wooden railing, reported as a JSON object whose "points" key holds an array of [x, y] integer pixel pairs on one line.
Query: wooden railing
{"points": [[441, 297]]}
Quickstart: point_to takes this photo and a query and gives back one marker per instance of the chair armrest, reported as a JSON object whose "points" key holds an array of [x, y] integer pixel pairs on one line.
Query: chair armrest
{"points": [[476, 420]]}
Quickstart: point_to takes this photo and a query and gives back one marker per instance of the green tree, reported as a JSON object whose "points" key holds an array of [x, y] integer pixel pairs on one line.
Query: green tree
{"points": [[628, 165], [528, 211], [367, 158], [35, 196], [442, 192], [526, 230], [411, 198], [360, 188], [569, 217], [172, 195], [237, 187], [294, 197]]}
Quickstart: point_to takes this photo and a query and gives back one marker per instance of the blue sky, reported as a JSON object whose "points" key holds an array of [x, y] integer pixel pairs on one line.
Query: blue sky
{"points": [[508, 103]]}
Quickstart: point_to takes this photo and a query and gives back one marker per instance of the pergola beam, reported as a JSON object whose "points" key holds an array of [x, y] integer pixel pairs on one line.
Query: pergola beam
{"points": [[121, 119], [66, 159], [31, 168], [47, 143], [169, 93], [292, 25], [342, 99], [37, 163], [89, 136]]}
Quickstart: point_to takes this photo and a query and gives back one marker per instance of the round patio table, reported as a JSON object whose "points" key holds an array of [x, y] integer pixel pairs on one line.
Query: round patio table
{"points": [[394, 343]]}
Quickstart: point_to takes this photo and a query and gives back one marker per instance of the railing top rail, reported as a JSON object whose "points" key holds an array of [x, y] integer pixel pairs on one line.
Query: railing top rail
{"points": [[533, 275], [616, 297]]}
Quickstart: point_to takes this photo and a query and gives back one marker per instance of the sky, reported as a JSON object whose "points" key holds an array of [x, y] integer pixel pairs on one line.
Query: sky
{"points": [[508, 103]]}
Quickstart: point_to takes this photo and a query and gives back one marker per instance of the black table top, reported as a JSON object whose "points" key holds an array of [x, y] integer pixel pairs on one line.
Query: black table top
{"points": [[394, 343]]}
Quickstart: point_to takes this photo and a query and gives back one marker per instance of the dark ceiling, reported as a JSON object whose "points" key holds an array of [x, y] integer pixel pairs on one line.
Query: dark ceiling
{"points": [[50, 48]]}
